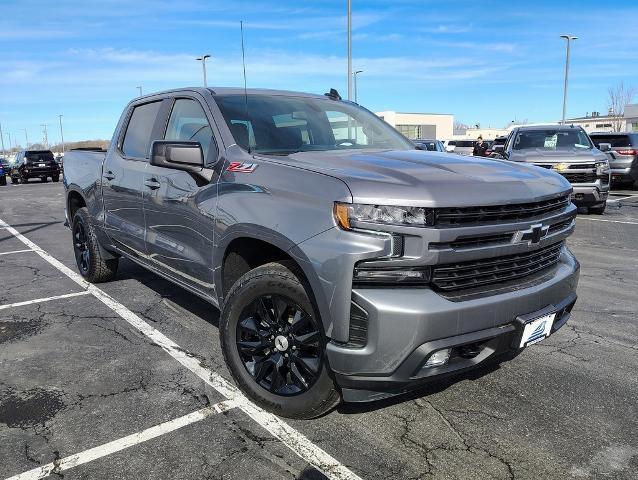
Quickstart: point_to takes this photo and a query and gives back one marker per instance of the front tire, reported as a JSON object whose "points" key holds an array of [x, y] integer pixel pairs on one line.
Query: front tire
{"points": [[55, 178], [598, 209], [3, 180], [14, 180], [88, 256], [274, 345]]}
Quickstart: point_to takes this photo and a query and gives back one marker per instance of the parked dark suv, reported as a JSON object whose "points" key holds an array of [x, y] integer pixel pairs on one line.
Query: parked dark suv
{"points": [[623, 156], [34, 164]]}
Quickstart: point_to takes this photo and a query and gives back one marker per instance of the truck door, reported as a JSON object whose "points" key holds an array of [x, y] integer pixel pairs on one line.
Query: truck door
{"points": [[123, 179], [179, 206]]}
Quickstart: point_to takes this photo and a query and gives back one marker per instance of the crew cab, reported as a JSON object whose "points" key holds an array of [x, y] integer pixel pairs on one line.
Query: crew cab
{"points": [[347, 264], [567, 150], [34, 164]]}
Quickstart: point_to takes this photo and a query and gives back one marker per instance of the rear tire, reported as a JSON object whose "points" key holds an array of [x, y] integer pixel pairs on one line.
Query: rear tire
{"points": [[24, 180], [14, 180], [598, 209], [3, 180], [92, 266], [44, 179], [55, 178], [270, 326]]}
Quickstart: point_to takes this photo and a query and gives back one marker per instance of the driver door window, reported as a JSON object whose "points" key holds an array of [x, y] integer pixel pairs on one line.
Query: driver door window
{"points": [[188, 123]]}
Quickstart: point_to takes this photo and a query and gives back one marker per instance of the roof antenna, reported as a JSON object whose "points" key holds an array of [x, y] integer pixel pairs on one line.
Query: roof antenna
{"points": [[243, 61]]}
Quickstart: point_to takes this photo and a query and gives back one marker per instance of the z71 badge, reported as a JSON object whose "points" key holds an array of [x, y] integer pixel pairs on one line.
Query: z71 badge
{"points": [[240, 167]]}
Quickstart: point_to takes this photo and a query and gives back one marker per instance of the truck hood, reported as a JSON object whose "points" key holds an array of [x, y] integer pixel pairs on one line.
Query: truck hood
{"points": [[573, 155], [431, 179]]}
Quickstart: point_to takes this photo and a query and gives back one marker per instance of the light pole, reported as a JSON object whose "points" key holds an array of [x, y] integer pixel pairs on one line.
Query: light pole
{"points": [[26, 138], [349, 49], [203, 60], [355, 84], [569, 38], [10, 146], [140, 90], [2, 140], [46, 136], [62, 133]]}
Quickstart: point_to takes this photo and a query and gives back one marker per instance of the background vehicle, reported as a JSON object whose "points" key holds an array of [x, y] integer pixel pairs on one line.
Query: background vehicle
{"points": [[34, 164], [3, 177], [623, 156], [461, 147], [497, 141], [567, 150], [346, 263], [430, 145]]}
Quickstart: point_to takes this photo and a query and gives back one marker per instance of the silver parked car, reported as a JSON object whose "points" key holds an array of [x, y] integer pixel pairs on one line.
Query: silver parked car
{"points": [[567, 150]]}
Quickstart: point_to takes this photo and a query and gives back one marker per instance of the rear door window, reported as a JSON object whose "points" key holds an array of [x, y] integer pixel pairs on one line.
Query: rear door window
{"points": [[137, 139]]}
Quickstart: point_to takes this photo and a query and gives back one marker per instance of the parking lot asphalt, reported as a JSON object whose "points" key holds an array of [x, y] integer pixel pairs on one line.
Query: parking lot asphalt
{"points": [[75, 375]]}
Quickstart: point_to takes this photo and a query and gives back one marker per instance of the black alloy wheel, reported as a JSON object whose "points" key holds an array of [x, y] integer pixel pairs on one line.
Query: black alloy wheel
{"points": [[81, 248], [279, 344]]}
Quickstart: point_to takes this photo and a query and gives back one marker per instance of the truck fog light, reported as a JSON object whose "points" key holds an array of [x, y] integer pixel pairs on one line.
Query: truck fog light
{"points": [[438, 358]]}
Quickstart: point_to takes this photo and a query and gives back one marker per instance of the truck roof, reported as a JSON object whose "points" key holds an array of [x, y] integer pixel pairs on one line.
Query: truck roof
{"points": [[233, 91]]}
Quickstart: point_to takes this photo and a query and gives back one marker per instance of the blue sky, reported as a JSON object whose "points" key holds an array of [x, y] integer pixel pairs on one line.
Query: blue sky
{"points": [[487, 62]]}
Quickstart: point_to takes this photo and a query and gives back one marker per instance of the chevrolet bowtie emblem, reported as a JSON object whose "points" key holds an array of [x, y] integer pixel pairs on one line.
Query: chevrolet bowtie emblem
{"points": [[532, 235], [561, 167]]}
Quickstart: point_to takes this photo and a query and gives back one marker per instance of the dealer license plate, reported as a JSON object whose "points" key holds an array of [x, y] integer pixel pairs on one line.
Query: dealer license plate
{"points": [[537, 330]]}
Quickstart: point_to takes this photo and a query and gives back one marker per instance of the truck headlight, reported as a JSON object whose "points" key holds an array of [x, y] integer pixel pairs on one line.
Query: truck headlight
{"points": [[346, 214], [602, 168], [384, 276]]}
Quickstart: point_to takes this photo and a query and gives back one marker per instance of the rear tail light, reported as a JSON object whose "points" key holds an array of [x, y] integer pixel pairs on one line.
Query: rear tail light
{"points": [[627, 152]]}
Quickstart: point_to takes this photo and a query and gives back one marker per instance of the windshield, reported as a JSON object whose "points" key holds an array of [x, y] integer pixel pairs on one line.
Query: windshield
{"points": [[552, 139], [39, 156], [277, 124]]}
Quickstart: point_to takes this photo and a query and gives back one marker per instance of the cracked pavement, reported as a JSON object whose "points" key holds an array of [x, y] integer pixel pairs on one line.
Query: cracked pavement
{"points": [[74, 375]]}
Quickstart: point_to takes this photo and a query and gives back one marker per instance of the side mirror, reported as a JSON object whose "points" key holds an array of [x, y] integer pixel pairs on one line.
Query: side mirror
{"points": [[177, 155], [604, 147], [418, 146], [498, 149]]}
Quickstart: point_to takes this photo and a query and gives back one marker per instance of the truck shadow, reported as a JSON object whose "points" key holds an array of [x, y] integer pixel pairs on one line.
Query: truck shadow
{"points": [[169, 291], [436, 386]]}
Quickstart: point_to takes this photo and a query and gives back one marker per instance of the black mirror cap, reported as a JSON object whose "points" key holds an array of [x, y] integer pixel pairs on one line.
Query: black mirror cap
{"points": [[498, 148], [178, 155]]}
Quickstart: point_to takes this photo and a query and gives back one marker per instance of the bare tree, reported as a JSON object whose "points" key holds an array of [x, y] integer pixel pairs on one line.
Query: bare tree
{"points": [[460, 127], [618, 98]]}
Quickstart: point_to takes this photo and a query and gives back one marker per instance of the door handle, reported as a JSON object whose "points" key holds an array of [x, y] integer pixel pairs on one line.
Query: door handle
{"points": [[109, 175], [152, 183]]}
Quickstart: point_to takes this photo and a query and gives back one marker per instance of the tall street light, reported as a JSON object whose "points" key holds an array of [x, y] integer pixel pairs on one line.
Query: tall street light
{"points": [[349, 49], [26, 137], [2, 140], [203, 60], [355, 84], [46, 136], [569, 38], [140, 90], [62, 133], [10, 146]]}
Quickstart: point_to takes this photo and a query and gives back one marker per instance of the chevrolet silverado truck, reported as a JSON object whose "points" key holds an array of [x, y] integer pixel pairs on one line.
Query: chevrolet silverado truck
{"points": [[346, 264], [569, 151]]}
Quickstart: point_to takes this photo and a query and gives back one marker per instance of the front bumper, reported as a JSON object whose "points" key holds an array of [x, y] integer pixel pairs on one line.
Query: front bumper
{"points": [[405, 326], [584, 196]]}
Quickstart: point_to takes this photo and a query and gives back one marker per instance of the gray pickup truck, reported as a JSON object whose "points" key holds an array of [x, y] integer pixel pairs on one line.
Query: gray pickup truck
{"points": [[569, 151], [346, 264]]}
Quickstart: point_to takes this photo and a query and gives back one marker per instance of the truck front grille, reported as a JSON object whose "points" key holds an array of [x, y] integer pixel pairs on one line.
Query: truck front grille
{"points": [[486, 271], [495, 213], [586, 177]]}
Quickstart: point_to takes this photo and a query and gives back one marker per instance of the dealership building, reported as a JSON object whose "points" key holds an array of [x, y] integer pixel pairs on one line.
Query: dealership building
{"points": [[421, 125], [595, 122]]}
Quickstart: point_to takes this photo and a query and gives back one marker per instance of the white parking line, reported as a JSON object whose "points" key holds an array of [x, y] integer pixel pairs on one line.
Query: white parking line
{"points": [[16, 251], [608, 221], [109, 448], [292, 438], [45, 299], [622, 198]]}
